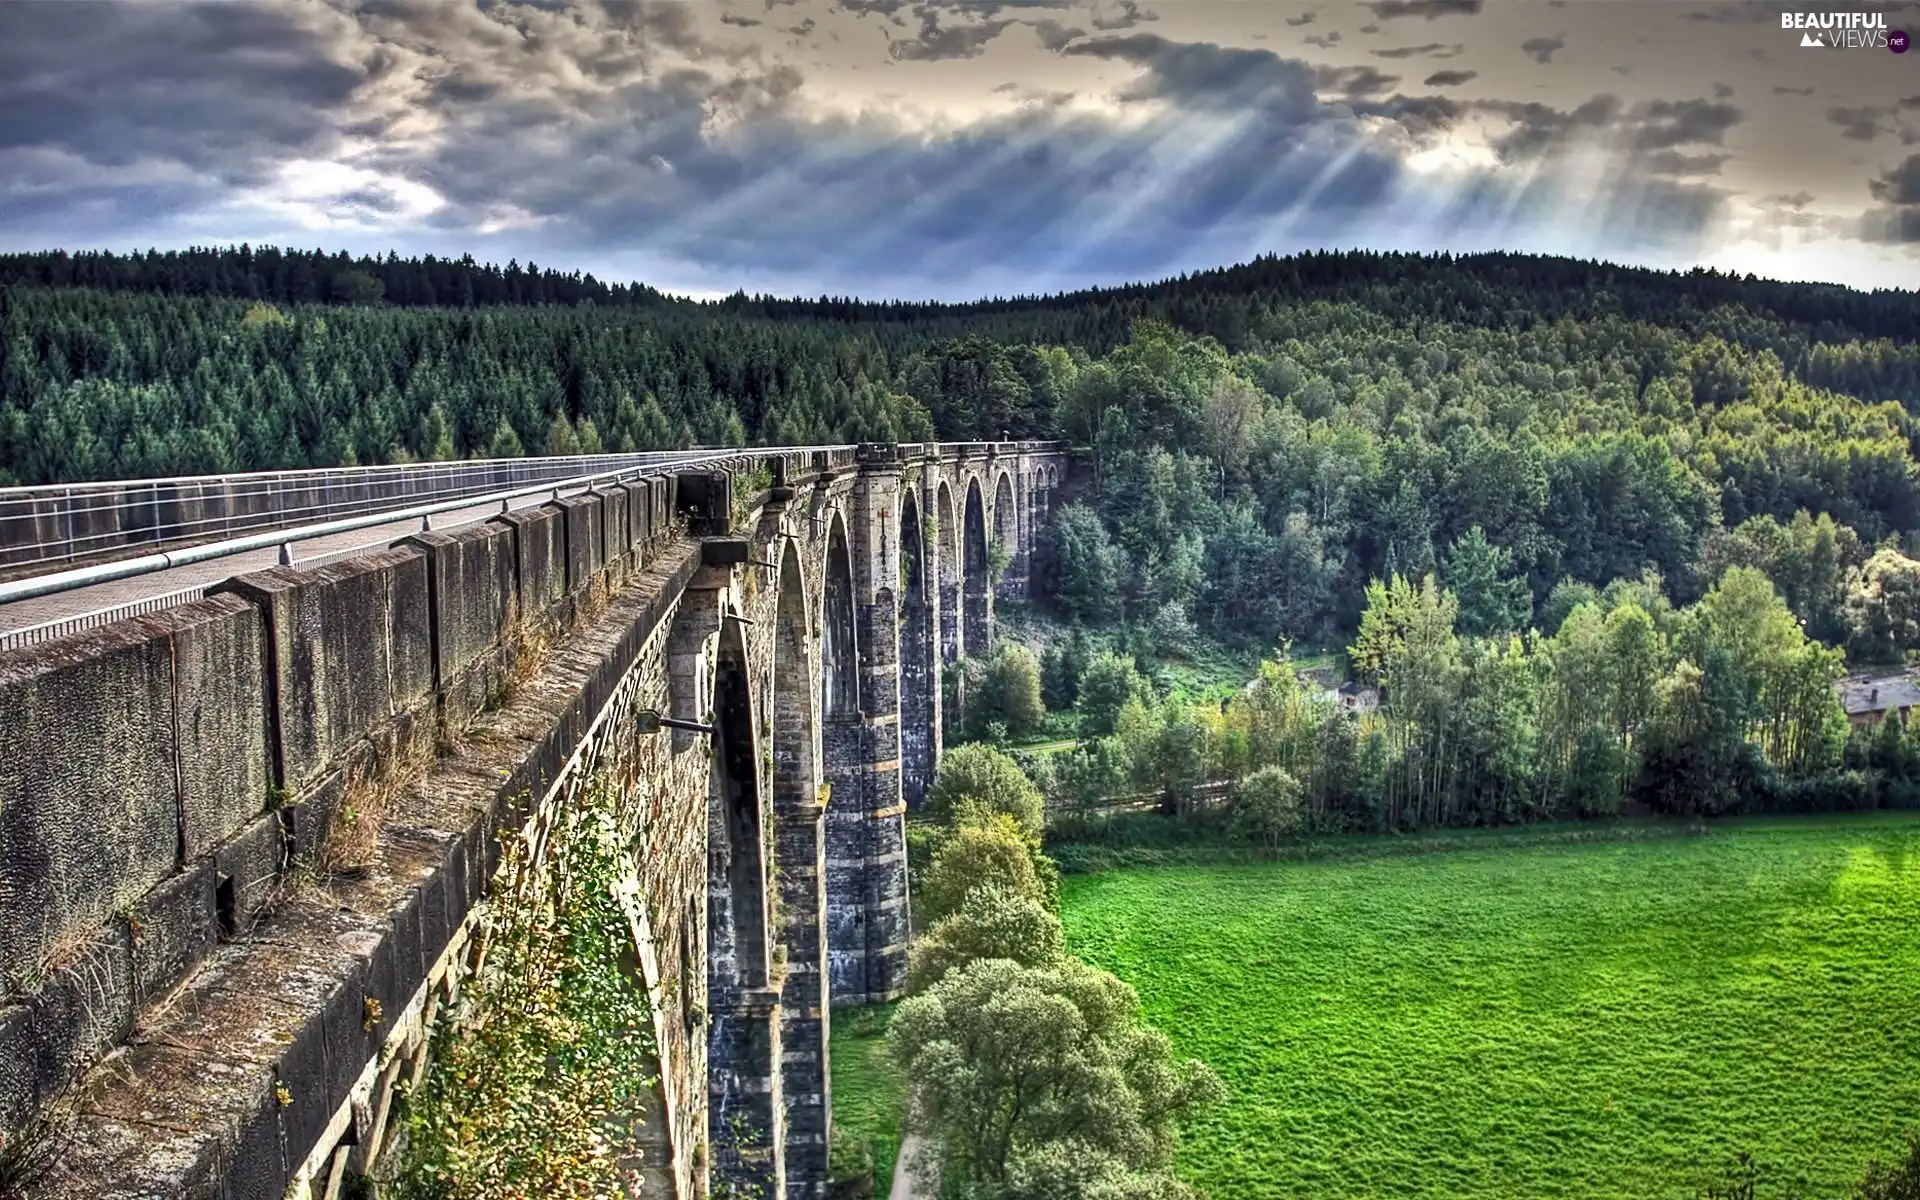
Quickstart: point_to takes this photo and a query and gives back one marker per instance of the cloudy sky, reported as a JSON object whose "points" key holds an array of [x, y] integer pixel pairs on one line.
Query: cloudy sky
{"points": [[953, 149]]}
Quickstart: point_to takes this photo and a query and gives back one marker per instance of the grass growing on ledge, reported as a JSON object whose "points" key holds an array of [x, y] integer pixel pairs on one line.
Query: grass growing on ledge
{"points": [[869, 1094], [1511, 1018], [542, 1075]]}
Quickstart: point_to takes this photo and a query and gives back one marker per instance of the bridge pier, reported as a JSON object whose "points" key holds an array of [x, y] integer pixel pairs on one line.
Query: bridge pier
{"points": [[867, 924]]}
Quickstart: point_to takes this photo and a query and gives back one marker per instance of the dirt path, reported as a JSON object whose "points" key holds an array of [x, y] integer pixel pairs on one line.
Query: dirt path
{"points": [[905, 1186]]}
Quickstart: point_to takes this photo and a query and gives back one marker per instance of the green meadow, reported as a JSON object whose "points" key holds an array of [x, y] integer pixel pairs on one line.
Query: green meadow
{"points": [[869, 1096], [1596, 1020]]}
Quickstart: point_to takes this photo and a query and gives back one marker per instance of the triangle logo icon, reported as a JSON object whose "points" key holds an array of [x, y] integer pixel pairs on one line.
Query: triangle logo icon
{"points": [[1812, 39]]}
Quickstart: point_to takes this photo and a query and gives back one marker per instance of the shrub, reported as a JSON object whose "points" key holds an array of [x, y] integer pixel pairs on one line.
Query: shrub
{"points": [[986, 849], [1109, 681], [983, 779], [1266, 807], [1007, 691], [1005, 1058], [992, 923]]}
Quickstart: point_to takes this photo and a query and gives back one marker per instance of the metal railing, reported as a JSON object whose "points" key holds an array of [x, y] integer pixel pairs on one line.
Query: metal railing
{"points": [[284, 538], [69, 522]]}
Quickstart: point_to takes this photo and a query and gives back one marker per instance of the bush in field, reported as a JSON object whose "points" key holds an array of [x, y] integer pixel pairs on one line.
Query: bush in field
{"points": [[986, 849], [983, 779], [1044, 1078], [1267, 807], [1006, 691], [991, 923]]}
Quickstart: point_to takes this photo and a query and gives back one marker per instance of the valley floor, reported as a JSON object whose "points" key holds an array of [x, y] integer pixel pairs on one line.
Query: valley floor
{"points": [[1597, 1020]]}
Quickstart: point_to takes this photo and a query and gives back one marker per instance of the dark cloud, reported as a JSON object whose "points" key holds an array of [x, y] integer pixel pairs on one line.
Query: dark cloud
{"points": [[1355, 81], [1860, 124], [111, 117], [1125, 14], [1541, 49], [1388, 10], [1203, 75], [936, 41], [1450, 78], [1429, 50], [1664, 124], [215, 87], [1898, 185], [1541, 128], [737, 19], [1055, 36], [1674, 163], [1779, 90], [1424, 118], [1326, 40], [1896, 226], [1722, 92], [1305, 18], [1369, 28], [1739, 12]]}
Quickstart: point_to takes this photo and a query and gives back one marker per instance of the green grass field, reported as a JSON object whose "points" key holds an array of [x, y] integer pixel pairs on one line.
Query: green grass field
{"points": [[869, 1096], [1589, 1020]]}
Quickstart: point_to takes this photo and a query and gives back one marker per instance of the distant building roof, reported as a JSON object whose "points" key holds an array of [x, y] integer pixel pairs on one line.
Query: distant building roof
{"points": [[1861, 694]]}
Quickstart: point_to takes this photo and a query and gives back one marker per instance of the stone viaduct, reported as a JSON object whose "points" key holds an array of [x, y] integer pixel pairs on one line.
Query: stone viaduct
{"points": [[251, 848]]}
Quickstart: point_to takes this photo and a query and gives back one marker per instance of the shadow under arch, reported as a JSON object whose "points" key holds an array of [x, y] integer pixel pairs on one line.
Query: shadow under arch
{"points": [[736, 867], [846, 752], [919, 674], [1006, 528], [745, 1110], [947, 547], [839, 651], [977, 601], [799, 852]]}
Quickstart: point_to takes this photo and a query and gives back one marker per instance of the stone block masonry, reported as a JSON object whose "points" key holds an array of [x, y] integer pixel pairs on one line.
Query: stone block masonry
{"points": [[169, 782]]}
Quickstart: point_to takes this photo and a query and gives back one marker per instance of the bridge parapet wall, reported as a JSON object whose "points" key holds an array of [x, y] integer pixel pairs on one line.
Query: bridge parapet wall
{"points": [[165, 776]]}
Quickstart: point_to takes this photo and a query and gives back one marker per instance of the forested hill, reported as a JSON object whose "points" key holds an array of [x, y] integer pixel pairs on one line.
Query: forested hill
{"points": [[1498, 289], [1268, 437]]}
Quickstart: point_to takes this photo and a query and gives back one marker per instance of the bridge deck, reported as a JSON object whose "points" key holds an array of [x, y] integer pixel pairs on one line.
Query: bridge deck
{"points": [[68, 607]]}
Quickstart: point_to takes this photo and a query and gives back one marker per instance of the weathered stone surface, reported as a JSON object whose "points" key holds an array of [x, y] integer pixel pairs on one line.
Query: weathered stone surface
{"points": [[616, 517], [89, 815], [247, 868], [220, 715], [350, 647], [540, 558], [582, 516], [79, 1011], [173, 929], [470, 587]]}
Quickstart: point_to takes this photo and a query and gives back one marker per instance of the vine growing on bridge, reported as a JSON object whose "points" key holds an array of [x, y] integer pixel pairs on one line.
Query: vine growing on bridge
{"points": [[540, 1079]]}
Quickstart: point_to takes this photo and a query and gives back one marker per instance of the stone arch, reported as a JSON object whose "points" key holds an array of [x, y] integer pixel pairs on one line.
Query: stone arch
{"points": [[1007, 532], [918, 670], [736, 867], [799, 850], [839, 652], [978, 600], [846, 754], [948, 547], [745, 1111]]}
